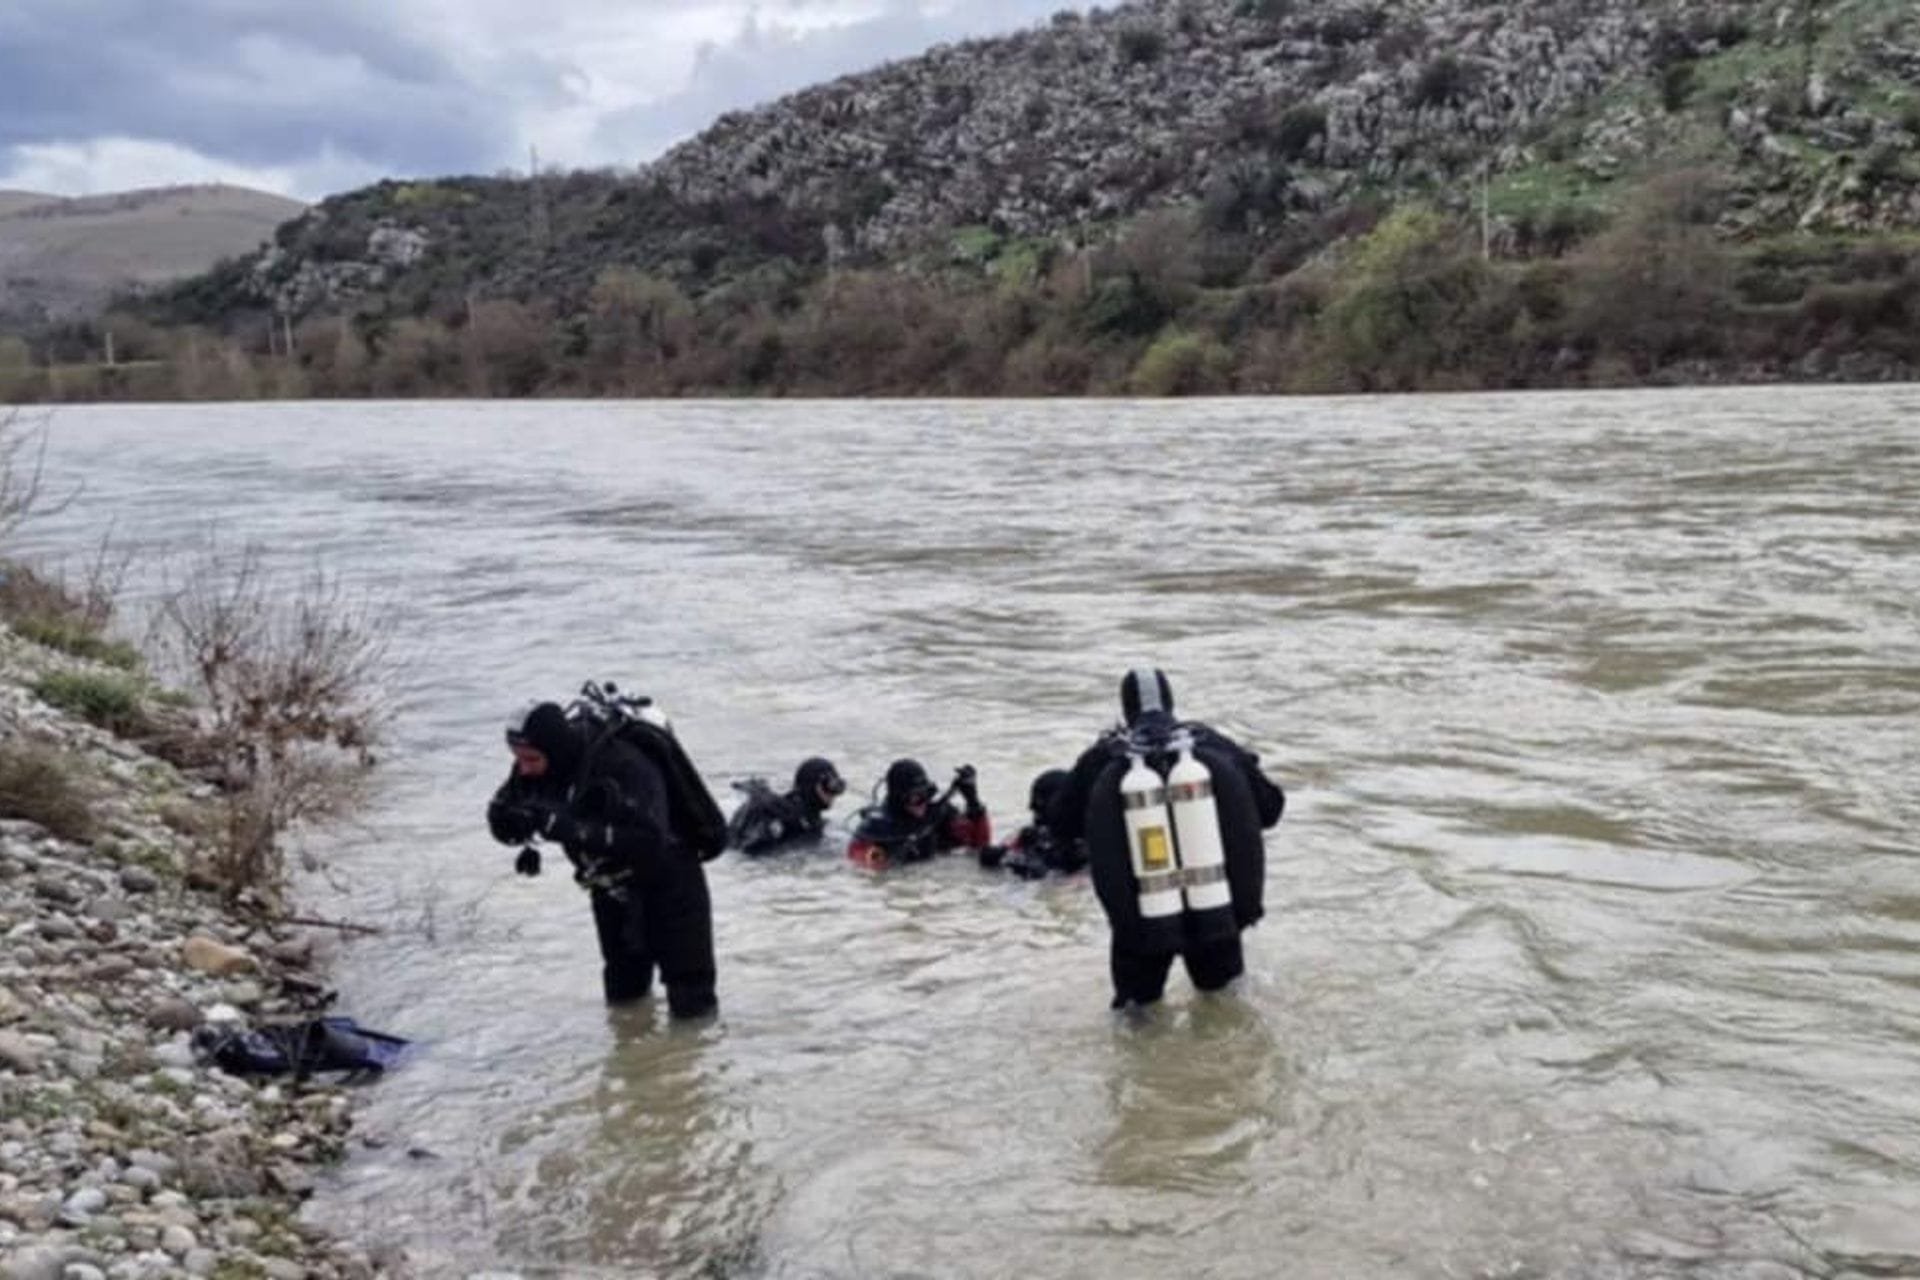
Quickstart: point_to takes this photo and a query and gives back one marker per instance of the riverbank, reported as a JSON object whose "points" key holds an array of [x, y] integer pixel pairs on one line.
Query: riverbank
{"points": [[120, 1155]]}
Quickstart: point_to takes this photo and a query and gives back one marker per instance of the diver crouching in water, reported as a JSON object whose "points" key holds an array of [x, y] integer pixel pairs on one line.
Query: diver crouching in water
{"points": [[767, 821], [615, 791], [913, 821], [1036, 849], [1173, 815]]}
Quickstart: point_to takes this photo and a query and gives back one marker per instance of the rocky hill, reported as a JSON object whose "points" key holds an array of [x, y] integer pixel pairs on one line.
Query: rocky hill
{"points": [[64, 257], [1266, 113]]}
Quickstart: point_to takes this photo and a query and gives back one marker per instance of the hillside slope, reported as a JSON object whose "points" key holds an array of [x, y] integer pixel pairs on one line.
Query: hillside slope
{"points": [[66, 256], [1271, 114]]}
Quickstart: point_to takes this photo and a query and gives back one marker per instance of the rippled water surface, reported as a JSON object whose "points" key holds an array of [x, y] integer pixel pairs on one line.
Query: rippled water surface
{"points": [[1593, 944]]}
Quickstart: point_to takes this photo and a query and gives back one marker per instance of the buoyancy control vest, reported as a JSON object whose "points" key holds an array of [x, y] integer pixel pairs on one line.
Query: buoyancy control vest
{"points": [[696, 819], [1174, 838]]}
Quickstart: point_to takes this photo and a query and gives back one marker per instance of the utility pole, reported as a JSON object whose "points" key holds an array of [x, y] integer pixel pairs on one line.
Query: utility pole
{"points": [[541, 224], [286, 334], [110, 347], [1486, 212]]}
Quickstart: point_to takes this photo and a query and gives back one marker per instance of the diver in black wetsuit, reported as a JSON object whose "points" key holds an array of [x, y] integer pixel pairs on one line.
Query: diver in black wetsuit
{"points": [[913, 822], [1036, 850], [766, 821], [1090, 805], [608, 805]]}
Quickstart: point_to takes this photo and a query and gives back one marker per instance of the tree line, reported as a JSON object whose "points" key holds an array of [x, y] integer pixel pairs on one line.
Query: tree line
{"points": [[1179, 301]]}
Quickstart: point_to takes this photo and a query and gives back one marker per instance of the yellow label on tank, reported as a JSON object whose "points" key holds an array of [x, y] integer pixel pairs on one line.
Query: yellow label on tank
{"points": [[1154, 853]]}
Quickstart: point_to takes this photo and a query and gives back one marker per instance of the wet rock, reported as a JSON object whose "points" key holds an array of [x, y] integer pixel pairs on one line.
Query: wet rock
{"points": [[173, 1014]]}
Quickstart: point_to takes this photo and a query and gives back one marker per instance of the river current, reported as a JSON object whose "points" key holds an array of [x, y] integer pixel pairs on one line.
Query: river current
{"points": [[1593, 945]]}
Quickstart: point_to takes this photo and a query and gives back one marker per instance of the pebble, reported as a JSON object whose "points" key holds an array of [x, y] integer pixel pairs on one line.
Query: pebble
{"points": [[173, 1014], [16, 1054], [104, 970], [83, 1204], [138, 880]]}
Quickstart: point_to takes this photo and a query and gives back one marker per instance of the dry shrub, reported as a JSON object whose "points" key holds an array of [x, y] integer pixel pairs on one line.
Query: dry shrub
{"points": [[47, 786], [287, 675]]}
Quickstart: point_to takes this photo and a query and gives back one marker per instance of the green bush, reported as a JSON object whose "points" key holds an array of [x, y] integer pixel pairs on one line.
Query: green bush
{"points": [[113, 702], [1180, 363], [43, 785], [78, 640]]}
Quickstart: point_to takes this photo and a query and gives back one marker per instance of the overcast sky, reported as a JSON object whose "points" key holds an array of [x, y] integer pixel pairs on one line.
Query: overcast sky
{"points": [[308, 97]]}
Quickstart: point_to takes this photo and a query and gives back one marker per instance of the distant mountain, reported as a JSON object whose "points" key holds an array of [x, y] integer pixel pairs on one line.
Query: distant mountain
{"points": [[12, 201], [65, 256]]}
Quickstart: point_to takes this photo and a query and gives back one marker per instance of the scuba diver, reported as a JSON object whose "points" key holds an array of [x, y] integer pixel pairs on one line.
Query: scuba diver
{"points": [[914, 821], [607, 781], [1036, 849], [766, 820], [1172, 813]]}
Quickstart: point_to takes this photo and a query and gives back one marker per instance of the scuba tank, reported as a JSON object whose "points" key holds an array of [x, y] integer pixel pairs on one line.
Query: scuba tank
{"points": [[1202, 852], [1150, 845]]}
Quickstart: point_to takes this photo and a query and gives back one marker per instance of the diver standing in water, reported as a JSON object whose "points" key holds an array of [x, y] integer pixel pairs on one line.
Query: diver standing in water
{"points": [[609, 784], [1172, 813], [766, 821], [913, 821]]}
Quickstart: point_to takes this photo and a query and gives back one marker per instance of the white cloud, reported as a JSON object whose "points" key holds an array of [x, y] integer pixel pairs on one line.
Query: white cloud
{"points": [[120, 164]]}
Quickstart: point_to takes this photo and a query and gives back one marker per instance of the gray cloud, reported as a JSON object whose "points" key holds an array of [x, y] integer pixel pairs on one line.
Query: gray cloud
{"points": [[312, 92], [766, 59]]}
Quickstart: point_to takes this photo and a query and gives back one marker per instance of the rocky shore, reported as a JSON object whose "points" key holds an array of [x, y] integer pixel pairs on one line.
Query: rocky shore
{"points": [[121, 1155]]}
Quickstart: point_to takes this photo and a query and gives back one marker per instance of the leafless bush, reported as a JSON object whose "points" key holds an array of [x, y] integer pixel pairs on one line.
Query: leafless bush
{"points": [[23, 470], [287, 673]]}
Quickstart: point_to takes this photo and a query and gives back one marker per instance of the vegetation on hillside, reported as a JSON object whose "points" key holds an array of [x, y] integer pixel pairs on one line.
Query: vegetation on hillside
{"points": [[1739, 198]]}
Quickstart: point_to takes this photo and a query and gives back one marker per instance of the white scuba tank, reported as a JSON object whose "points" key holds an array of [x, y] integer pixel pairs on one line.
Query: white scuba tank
{"points": [[1196, 827], [1143, 798]]}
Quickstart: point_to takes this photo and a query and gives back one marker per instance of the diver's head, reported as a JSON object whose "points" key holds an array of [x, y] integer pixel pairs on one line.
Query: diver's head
{"points": [[909, 790], [817, 782], [1143, 691], [1045, 788], [542, 742]]}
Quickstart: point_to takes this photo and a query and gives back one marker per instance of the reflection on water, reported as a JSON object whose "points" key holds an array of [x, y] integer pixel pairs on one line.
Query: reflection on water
{"points": [[1593, 946]]}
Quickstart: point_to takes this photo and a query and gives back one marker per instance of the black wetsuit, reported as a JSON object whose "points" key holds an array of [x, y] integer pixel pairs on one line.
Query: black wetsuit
{"points": [[1140, 972], [767, 820], [649, 892]]}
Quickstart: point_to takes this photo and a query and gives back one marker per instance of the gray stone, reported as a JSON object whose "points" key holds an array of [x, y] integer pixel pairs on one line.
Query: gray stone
{"points": [[80, 1207], [156, 1161], [58, 928], [170, 1013], [40, 1262], [55, 889], [178, 1241], [138, 880], [16, 1054], [83, 1271], [140, 1179], [200, 1262], [282, 1269]]}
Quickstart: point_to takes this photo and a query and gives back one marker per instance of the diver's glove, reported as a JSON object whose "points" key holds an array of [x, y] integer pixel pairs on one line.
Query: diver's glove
{"points": [[511, 821], [528, 863], [967, 783]]}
